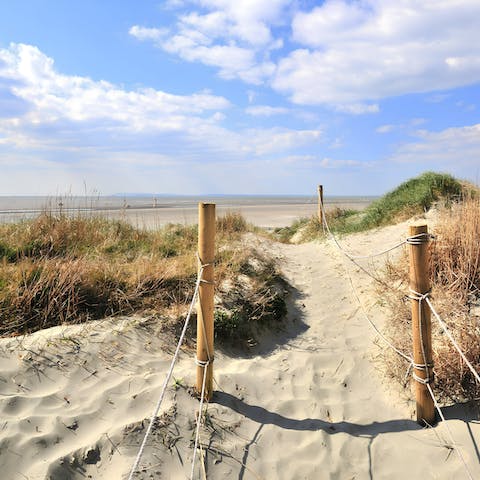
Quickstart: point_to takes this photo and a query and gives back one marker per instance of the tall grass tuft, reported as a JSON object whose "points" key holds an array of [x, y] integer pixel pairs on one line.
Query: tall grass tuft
{"points": [[456, 258]]}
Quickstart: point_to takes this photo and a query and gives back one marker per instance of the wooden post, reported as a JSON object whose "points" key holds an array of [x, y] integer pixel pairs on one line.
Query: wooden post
{"points": [[320, 204], [206, 252], [419, 282]]}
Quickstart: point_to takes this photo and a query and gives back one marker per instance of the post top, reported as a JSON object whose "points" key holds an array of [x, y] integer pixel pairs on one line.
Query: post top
{"points": [[206, 204], [419, 227]]}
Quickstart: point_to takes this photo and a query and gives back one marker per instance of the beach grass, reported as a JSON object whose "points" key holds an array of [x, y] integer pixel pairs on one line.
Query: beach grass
{"points": [[455, 277], [412, 197], [59, 269]]}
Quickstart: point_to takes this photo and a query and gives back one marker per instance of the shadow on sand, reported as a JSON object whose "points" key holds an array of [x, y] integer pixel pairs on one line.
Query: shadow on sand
{"points": [[265, 417], [468, 413]]}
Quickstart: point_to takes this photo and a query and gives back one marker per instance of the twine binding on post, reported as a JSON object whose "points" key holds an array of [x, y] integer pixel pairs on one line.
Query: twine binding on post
{"points": [[421, 297], [202, 267]]}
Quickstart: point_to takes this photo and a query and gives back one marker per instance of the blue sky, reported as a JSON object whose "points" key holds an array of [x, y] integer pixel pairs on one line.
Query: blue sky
{"points": [[251, 96]]}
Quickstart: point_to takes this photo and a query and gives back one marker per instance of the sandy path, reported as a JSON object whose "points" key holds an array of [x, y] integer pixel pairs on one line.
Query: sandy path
{"points": [[307, 403]]}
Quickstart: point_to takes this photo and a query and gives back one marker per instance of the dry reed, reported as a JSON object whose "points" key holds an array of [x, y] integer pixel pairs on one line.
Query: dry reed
{"points": [[58, 269], [455, 276]]}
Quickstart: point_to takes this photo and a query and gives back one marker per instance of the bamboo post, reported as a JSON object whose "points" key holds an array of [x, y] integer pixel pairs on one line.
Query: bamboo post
{"points": [[206, 252], [421, 322], [320, 204]]}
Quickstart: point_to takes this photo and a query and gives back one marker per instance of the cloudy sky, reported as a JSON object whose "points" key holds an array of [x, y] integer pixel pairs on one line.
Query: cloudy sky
{"points": [[244, 96]]}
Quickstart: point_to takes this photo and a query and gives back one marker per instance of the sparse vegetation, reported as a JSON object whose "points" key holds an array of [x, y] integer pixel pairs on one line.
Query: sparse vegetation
{"points": [[57, 269]]}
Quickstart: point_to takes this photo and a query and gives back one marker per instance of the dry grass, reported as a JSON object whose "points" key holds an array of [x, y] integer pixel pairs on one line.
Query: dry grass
{"points": [[57, 269], [455, 276]]}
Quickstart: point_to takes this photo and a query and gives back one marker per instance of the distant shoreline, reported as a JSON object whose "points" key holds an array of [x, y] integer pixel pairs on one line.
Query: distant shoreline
{"points": [[263, 211]]}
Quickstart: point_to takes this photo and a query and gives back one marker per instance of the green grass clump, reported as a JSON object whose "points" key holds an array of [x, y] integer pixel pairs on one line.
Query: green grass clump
{"points": [[410, 198], [285, 234], [249, 307]]}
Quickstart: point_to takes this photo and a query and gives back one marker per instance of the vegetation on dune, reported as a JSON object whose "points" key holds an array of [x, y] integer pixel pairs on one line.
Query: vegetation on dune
{"points": [[412, 197], [57, 269]]}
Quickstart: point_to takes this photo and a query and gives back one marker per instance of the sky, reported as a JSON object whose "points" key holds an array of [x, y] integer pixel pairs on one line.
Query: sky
{"points": [[236, 97]]}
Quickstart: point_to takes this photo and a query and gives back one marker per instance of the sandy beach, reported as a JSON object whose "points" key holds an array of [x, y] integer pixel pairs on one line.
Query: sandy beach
{"points": [[266, 212], [308, 402]]}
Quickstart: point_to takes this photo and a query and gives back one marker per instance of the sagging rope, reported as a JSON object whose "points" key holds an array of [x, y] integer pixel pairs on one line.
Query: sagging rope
{"points": [[352, 259], [168, 377], [358, 257], [204, 365], [450, 336]]}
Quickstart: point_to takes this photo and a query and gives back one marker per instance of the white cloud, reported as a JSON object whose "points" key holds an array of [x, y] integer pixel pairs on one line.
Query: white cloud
{"points": [[347, 55], [78, 128], [312, 162], [385, 128], [358, 108], [357, 51], [144, 33], [278, 140], [338, 163], [251, 96], [235, 37], [455, 148], [58, 101], [265, 111]]}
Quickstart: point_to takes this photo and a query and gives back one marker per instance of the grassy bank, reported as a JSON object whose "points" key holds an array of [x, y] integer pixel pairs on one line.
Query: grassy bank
{"points": [[58, 270], [410, 198]]}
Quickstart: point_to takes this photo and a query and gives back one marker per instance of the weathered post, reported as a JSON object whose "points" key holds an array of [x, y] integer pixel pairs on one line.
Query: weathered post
{"points": [[206, 253], [421, 322], [320, 204]]}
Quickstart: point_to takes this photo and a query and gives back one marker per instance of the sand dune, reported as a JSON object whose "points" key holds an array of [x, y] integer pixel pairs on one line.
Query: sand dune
{"points": [[306, 403]]}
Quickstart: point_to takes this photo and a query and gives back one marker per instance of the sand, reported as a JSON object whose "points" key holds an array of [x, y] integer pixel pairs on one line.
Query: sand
{"points": [[309, 402], [262, 215], [267, 214]]}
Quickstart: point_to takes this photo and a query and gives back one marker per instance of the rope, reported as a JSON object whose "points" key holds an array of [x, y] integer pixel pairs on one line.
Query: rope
{"points": [[372, 324], [426, 366], [352, 258], [454, 445], [359, 257], [199, 416], [455, 344], [420, 238], [167, 378], [369, 320]]}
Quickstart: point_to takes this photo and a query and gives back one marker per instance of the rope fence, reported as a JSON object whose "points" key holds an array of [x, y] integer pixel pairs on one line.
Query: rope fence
{"points": [[426, 367], [420, 363]]}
